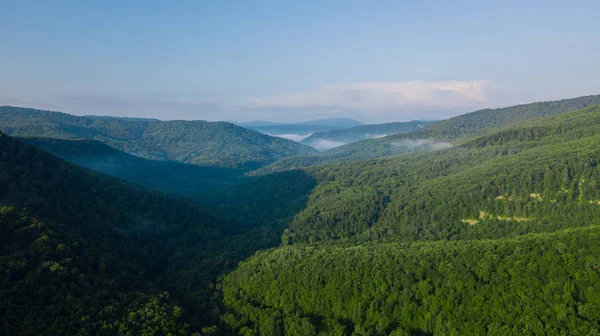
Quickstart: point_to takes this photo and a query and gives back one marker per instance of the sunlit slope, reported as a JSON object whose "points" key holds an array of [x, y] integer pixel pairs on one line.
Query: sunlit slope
{"points": [[267, 201], [533, 178], [539, 284], [82, 251], [170, 243], [496, 236]]}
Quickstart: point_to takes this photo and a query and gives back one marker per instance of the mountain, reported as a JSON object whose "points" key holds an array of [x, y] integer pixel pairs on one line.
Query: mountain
{"points": [[492, 232], [330, 139], [203, 143], [495, 235], [428, 194], [188, 180], [302, 128], [100, 253], [268, 201], [438, 134]]}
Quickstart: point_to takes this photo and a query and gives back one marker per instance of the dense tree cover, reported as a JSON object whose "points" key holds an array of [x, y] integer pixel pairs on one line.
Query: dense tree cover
{"points": [[53, 283], [349, 135], [466, 125], [178, 245], [527, 179], [538, 284], [204, 143], [495, 236]]}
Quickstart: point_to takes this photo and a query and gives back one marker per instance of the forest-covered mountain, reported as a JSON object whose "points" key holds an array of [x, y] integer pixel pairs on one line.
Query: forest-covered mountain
{"points": [[302, 128], [100, 252], [218, 144], [434, 136], [492, 231], [248, 200], [188, 180], [329, 139], [441, 242]]}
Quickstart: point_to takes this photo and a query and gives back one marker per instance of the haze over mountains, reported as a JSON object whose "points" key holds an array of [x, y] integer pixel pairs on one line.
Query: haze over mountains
{"points": [[434, 230]]}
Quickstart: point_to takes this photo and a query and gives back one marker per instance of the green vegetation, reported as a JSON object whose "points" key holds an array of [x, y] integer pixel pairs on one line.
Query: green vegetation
{"points": [[495, 236], [466, 125], [490, 228], [544, 284], [206, 184], [432, 194], [354, 134], [54, 284], [176, 245], [218, 144]]}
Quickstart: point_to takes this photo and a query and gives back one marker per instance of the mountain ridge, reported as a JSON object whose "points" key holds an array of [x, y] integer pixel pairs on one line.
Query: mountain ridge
{"points": [[205, 143]]}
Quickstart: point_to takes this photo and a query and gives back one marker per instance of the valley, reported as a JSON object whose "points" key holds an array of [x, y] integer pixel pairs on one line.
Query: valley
{"points": [[439, 232]]}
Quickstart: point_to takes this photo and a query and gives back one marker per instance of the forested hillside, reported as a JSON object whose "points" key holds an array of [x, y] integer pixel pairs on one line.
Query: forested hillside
{"points": [[540, 284], [266, 201], [340, 137], [218, 144], [436, 135], [495, 236], [511, 181], [188, 180], [438, 241], [173, 244]]}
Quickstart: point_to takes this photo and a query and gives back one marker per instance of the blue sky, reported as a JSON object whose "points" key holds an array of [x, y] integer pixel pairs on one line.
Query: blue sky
{"points": [[295, 60]]}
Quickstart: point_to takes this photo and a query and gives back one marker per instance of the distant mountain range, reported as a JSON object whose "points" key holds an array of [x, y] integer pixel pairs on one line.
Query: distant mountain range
{"points": [[300, 128], [218, 144]]}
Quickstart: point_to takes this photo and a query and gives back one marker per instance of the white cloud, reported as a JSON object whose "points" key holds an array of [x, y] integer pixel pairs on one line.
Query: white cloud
{"points": [[375, 136], [418, 143], [326, 144], [294, 137], [378, 98]]}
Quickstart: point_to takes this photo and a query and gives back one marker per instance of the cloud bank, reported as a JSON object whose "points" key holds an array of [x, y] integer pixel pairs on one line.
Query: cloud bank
{"points": [[369, 102], [418, 143], [294, 137], [380, 99], [326, 144]]}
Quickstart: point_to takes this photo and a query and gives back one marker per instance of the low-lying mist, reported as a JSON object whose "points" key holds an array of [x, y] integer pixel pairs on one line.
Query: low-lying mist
{"points": [[419, 143]]}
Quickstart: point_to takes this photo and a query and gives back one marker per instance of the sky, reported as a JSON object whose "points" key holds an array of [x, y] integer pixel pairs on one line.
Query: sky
{"points": [[376, 61]]}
